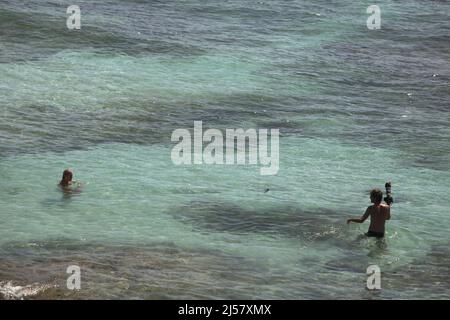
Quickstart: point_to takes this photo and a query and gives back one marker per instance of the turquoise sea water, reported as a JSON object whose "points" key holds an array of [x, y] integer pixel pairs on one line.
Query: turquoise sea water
{"points": [[355, 109]]}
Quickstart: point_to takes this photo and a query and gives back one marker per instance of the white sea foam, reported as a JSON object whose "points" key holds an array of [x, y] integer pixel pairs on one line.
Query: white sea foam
{"points": [[10, 291]]}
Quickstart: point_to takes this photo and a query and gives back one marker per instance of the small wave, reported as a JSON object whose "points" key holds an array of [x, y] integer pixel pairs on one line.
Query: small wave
{"points": [[9, 291]]}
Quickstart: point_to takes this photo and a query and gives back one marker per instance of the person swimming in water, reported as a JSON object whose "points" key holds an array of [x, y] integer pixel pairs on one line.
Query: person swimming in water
{"points": [[66, 180], [68, 185], [378, 213]]}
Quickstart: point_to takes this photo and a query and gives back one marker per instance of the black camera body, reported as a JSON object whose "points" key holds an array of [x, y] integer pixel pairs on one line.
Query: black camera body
{"points": [[388, 199]]}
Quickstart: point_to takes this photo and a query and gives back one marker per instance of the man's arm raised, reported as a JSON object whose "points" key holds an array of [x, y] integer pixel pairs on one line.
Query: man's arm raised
{"points": [[388, 213]]}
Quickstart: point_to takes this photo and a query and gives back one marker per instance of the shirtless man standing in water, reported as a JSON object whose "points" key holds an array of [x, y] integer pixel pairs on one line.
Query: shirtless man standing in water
{"points": [[378, 213]]}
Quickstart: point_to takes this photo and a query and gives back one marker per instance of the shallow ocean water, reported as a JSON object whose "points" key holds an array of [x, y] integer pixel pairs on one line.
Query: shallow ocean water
{"points": [[355, 109]]}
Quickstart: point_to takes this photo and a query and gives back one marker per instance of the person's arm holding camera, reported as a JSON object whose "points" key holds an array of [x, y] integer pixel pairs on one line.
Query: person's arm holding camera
{"points": [[388, 213]]}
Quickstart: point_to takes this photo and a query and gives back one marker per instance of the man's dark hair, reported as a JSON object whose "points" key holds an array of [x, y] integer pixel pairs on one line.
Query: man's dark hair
{"points": [[67, 174], [376, 195]]}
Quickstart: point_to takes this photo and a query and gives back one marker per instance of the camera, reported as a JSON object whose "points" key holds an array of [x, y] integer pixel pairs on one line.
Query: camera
{"points": [[388, 199]]}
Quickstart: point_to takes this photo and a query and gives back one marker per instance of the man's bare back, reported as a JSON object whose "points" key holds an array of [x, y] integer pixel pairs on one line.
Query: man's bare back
{"points": [[378, 216]]}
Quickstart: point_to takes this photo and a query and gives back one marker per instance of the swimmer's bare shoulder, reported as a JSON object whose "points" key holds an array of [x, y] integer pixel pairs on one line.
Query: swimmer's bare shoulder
{"points": [[383, 206]]}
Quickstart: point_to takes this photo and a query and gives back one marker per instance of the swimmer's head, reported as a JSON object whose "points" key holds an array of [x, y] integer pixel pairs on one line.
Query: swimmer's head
{"points": [[376, 196], [67, 175]]}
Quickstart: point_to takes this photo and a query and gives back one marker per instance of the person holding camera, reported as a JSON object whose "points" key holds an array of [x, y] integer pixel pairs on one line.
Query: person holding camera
{"points": [[378, 212]]}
